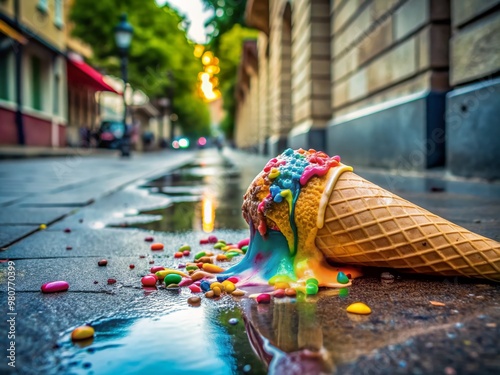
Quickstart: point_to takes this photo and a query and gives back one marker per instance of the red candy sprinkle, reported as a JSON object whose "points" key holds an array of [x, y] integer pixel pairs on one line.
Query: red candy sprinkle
{"points": [[67, 230], [102, 263], [155, 269], [55, 286], [148, 281], [186, 281], [151, 262], [204, 241], [233, 279], [279, 293], [263, 298], [186, 253], [178, 255], [131, 266], [149, 239], [142, 256], [194, 288], [200, 264], [212, 239], [243, 242], [111, 281], [69, 247]]}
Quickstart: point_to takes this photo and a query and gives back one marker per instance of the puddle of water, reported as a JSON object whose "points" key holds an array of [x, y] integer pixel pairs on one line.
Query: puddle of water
{"points": [[187, 341], [205, 195]]}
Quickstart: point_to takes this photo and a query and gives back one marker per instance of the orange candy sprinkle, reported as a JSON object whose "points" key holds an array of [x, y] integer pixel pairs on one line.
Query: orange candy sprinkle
{"points": [[157, 246]]}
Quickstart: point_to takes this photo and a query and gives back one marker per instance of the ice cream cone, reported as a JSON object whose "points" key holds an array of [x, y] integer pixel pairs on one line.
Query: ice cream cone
{"points": [[367, 225]]}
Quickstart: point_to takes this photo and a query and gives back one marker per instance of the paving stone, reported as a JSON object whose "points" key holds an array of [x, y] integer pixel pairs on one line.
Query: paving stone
{"points": [[106, 242], [82, 273], [10, 233], [26, 215]]}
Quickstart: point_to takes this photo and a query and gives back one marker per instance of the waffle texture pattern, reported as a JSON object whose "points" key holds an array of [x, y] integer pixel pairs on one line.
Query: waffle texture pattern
{"points": [[368, 225]]}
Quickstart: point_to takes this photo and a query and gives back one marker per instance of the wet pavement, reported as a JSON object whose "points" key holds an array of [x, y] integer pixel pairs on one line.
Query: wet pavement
{"points": [[179, 199]]}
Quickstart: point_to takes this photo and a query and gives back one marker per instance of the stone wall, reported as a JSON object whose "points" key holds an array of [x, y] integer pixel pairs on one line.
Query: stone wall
{"points": [[389, 75], [385, 49], [310, 72], [473, 106]]}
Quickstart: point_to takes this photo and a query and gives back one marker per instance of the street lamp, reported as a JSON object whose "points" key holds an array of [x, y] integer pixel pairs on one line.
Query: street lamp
{"points": [[123, 38]]}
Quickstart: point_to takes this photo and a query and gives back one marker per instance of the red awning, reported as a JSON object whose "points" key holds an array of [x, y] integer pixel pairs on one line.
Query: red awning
{"points": [[82, 74]]}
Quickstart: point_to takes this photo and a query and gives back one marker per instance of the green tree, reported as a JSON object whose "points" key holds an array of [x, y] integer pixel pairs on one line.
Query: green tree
{"points": [[230, 48], [226, 14], [159, 45]]}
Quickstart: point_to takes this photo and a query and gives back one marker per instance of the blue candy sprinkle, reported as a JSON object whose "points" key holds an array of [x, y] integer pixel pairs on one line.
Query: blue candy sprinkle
{"points": [[205, 285]]}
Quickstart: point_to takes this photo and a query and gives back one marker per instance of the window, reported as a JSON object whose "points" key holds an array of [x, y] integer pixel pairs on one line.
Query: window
{"points": [[4, 77], [36, 83], [43, 6], [59, 16]]}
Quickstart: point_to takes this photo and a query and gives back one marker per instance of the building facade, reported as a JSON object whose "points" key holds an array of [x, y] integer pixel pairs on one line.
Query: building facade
{"points": [[32, 73], [47, 92], [399, 84]]}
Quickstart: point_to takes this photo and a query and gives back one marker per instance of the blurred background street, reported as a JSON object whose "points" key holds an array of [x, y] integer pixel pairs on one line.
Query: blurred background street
{"points": [[122, 120]]}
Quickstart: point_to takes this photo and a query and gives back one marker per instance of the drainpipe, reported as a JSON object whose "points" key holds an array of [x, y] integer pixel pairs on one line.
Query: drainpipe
{"points": [[19, 93]]}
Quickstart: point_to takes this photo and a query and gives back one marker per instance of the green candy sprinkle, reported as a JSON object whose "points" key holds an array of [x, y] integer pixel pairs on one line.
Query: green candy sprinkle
{"points": [[342, 278], [311, 289], [200, 254], [312, 280]]}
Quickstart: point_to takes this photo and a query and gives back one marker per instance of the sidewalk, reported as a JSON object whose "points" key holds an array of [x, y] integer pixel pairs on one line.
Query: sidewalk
{"points": [[22, 152], [39, 191], [404, 334]]}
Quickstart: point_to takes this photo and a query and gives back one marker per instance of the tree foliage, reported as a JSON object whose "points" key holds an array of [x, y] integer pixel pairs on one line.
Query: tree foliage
{"points": [[226, 40], [230, 48], [159, 45], [226, 14]]}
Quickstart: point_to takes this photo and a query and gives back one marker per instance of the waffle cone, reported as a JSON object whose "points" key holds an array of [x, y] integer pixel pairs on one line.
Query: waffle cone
{"points": [[369, 226]]}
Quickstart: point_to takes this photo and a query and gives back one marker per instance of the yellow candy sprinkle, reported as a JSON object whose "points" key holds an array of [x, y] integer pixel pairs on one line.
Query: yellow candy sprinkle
{"points": [[229, 286], [161, 274], [281, 285], [212, 268], [82, 333], [274, 173], [216, 284], [43, 226], [279, 279], [359, 308]]}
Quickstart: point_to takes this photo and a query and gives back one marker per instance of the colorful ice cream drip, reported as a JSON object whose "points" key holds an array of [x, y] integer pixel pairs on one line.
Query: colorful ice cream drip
{"points": [[287, 174], [281, 206]]}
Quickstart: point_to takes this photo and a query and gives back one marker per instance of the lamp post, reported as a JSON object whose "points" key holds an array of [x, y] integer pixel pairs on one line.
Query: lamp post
{"points": [[123, 38]]}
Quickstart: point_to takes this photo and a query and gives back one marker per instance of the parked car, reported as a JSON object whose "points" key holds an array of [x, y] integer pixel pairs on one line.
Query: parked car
{"points": [[110, 134]]}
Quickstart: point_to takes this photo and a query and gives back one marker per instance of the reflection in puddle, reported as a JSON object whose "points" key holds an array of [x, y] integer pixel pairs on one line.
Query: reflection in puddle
{"points": [[288, 337], [208, 213], [204, 195], [190, 341]]}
